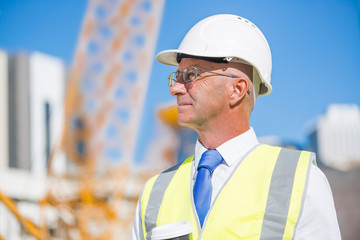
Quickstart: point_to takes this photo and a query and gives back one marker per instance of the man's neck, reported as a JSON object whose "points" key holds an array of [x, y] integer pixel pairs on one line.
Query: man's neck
{"points": [[213, 137]]}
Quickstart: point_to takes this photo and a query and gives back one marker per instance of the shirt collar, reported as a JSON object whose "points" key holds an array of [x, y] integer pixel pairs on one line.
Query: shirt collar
{"points": [[232, 150]]}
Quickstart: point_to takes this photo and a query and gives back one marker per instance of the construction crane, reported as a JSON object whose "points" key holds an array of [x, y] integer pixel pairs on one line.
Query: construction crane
{"points": [[33, 229], [96, 198]]}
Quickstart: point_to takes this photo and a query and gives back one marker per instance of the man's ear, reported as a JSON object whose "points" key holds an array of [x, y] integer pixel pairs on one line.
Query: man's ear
{"points": [[239, 90]]}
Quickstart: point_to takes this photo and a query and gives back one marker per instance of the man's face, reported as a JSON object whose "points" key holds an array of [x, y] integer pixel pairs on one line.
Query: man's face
{"points": [[204, 100]]}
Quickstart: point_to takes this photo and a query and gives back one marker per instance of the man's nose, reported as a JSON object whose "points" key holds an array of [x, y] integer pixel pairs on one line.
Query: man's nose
{"points": [[177, 88]]}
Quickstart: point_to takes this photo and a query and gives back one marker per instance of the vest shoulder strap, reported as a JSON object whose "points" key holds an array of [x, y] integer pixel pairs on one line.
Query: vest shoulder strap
{"points": [[157, 193], [287, 190]]}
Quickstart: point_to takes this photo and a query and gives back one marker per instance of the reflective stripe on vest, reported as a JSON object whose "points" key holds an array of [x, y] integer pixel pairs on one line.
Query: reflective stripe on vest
{"points": [[277, 205], [156, 196], [273, 216]]}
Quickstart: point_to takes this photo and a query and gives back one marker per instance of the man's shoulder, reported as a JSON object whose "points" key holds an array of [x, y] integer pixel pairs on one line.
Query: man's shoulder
{"points": [[179, 164], [267, 147]]}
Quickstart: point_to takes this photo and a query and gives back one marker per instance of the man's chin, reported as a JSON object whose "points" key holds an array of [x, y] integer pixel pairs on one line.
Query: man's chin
{"points": [[183, 121]]}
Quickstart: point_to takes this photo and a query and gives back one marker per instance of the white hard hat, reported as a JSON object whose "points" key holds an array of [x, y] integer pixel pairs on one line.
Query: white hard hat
{"points": [[229, 38]]}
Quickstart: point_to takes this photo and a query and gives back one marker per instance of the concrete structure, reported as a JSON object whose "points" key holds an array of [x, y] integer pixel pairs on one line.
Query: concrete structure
{"points": [[19, 112], [31, 120], [36, 94], [336, 137]]}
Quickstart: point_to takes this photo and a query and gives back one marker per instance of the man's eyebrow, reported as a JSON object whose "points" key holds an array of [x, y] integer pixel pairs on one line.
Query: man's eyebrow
{"points": [[195, 65]]}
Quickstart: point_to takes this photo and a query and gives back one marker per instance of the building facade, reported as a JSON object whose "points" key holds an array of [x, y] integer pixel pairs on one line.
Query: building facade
{"points": [[336, 137], [35, 90], [31, 120]]}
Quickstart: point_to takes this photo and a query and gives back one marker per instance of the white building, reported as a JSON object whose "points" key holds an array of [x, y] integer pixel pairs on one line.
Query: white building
{"points": [[47, 86], [336, 136], [31, 120], [36, 85]]}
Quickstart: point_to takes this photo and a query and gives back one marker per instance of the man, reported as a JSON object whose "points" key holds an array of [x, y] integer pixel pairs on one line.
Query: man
{"points": [[233, 187]]}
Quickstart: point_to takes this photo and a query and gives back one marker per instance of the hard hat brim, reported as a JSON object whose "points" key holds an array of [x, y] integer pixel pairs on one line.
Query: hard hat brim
{"points": [[168, 57]]}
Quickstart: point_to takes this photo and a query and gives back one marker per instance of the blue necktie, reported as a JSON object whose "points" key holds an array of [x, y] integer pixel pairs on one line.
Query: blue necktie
{"points": [[203, 187]]}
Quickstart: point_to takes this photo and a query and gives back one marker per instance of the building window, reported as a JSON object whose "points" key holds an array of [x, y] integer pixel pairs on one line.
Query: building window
{"points": [[47, 131]]}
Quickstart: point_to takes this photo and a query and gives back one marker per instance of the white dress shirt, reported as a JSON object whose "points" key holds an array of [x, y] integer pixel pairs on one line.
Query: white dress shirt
{"points": [[318, 219]]}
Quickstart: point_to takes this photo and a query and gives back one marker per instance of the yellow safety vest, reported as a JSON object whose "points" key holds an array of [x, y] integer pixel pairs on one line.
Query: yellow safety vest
{"points": [[262, 199]]}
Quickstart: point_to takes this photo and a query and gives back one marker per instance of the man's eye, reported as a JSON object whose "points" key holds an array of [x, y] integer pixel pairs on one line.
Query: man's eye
{"points": [[191, 76]]}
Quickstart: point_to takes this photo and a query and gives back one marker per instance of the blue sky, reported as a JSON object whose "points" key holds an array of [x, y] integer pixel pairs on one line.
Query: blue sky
{"points": [[315, 47]]}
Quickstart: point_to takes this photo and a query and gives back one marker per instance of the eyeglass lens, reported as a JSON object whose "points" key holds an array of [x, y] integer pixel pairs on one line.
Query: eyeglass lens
{"points": [[188, 75]]}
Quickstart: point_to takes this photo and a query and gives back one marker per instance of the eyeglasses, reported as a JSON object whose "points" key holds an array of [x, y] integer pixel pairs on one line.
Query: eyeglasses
{"points": [[190, 74]]}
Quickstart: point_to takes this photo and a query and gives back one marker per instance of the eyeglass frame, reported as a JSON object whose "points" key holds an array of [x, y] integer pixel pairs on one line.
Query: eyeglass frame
{"points": [[172, 80]]}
